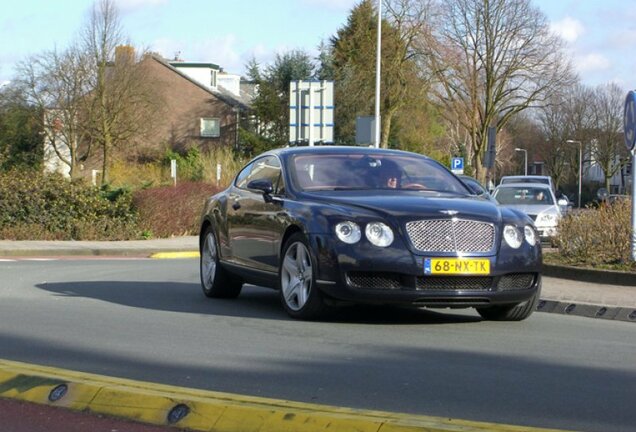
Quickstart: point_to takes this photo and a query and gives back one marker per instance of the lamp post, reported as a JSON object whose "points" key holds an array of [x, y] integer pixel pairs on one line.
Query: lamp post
{"points": [[377, 77], [580, 164], [525, 160]]}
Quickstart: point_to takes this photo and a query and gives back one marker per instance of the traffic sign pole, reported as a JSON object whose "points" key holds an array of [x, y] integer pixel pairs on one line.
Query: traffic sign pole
{"points": [[629, 128], [634, 204]]}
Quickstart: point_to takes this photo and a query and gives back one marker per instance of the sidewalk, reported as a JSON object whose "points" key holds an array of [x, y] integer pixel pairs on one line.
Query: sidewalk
{"points": [[607, 295]]}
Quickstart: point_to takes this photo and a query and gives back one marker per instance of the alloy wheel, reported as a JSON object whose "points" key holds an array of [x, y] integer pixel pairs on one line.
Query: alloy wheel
{"points": [[296, 276]]}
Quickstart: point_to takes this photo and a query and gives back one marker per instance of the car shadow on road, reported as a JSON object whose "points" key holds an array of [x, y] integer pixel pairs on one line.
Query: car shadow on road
{"points": [[254, 302]]}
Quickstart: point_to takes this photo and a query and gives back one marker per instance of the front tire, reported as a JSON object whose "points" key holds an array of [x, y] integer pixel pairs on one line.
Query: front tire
{"points": [[299, 294], [517, 312], [216, 282]]}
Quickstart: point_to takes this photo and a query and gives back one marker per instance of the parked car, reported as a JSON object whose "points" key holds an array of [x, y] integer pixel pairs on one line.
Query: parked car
{"points": [[527, 179], [614, 198], [536, 200], [476, 187], [326, 225]]}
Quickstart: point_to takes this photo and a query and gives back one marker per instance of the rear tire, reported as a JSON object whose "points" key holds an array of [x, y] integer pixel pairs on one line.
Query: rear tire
{"points": [[516, 312], [216, 282], [299, 294]]}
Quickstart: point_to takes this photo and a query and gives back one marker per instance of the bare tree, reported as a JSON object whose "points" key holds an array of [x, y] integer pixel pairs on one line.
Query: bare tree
{"points": [[492, 59], [57, 84], [123, 102], [608, 149]]}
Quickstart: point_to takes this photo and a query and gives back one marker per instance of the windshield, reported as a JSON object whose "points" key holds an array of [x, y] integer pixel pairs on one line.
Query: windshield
{"points": [[508, 180], [523, 195], [313, 172]]}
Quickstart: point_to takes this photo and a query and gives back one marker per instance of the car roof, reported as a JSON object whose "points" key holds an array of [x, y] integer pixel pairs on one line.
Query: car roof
{"points": [[527, 179], [526, 185], [339, 150]]}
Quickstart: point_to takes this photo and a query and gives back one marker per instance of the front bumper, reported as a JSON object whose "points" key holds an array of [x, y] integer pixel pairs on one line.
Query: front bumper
{"points": [[363, 273]]}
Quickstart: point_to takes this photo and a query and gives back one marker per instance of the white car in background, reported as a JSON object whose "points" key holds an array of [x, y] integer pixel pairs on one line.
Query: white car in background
{"points": [[534, 199], [527, 179]]}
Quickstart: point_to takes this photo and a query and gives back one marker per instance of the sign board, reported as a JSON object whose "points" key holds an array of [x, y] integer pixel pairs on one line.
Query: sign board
{"points": [[457, 165], [491, 150], [311, 112], [365, 130], [629, 120]]}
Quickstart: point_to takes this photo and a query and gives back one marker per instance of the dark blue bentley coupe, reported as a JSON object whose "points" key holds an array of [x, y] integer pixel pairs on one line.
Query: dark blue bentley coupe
{"points": [[329, 224]]}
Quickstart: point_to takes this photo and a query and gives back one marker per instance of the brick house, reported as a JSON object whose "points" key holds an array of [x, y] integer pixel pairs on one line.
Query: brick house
{"points": [[201, 105]]}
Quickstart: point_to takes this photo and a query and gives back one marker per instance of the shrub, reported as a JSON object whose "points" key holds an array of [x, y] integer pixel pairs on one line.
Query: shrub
{"points": [[34, 206], [597, 237], [230, 162], [139, 175], [172, 211]]}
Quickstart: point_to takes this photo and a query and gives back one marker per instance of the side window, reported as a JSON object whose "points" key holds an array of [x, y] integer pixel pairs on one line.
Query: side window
{"points": [[241, 178], [267, 168]]}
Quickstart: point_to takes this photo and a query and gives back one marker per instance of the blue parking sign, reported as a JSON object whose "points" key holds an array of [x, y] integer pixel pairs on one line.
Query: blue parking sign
{"points": [[629, 120], [457, 165]]}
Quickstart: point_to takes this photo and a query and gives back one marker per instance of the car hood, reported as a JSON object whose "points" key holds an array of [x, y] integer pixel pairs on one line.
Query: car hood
{"points": [[412, 204], [533, 209]]}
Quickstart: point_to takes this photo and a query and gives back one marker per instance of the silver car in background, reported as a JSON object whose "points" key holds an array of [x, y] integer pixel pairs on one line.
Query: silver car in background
{"points": [[534, 199]]}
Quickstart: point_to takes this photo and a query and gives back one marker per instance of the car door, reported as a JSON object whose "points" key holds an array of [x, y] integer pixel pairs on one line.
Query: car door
{"points": [[253, 224]]}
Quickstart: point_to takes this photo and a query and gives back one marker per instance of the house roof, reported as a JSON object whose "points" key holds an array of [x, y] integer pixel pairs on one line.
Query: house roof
{"points": [[243, 101], [194, 65]]}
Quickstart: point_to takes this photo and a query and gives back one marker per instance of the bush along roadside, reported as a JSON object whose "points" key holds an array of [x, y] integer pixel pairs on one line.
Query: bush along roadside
{"points": [[596, 238], [172, 210], [34, 206]]}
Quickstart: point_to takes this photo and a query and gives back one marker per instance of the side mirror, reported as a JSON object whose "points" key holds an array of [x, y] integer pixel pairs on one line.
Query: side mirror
{"points": [[264, 186], [474, 189]]}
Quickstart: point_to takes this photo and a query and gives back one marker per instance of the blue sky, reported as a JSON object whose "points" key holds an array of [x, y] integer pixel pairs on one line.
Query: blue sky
{"points": [[601, 35]]}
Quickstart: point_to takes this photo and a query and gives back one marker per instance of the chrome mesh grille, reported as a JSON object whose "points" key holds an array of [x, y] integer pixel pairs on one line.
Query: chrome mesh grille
{"points": [[454, 283], [515, 281], [374, 280], [451, 235]]}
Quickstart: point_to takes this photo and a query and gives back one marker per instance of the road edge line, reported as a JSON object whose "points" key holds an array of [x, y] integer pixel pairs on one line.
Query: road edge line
{"points": [[175, 255], [203, 410]]}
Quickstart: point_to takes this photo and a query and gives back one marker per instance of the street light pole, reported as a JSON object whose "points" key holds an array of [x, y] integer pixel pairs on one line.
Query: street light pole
{"points": [[377, 77], [580, 164], [525, 160]]}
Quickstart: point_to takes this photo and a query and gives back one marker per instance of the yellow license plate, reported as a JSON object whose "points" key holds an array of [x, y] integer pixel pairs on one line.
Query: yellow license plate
{"points": [[463, 266]]}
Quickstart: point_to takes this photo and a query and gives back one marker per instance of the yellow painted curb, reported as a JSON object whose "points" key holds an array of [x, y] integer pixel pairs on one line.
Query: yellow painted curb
{"points": [[202, 410], [175, 255]]}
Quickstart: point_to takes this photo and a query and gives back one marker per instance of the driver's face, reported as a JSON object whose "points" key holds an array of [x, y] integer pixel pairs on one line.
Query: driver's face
{"points": [[391, 182]]}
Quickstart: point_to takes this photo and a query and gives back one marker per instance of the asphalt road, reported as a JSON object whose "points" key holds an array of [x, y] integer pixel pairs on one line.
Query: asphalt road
{"points": [[147, 320]]}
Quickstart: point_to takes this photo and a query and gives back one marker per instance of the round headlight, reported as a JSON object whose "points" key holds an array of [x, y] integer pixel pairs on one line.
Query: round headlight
{"points": [[530, 234], [512, 236], [379, 234], [348, 232]]}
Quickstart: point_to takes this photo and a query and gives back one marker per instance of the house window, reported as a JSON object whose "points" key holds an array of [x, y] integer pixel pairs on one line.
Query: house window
{"points": [[213, 78], [210, 127]]}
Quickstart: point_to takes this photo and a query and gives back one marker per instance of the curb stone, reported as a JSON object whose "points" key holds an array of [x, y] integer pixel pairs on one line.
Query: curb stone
{"points": [[202, 410], [609, 277], [587, 310]]}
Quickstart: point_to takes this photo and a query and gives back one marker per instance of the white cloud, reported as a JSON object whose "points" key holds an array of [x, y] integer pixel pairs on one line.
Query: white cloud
{"points": [[625, 38], [568, 28], [592, 62]]}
